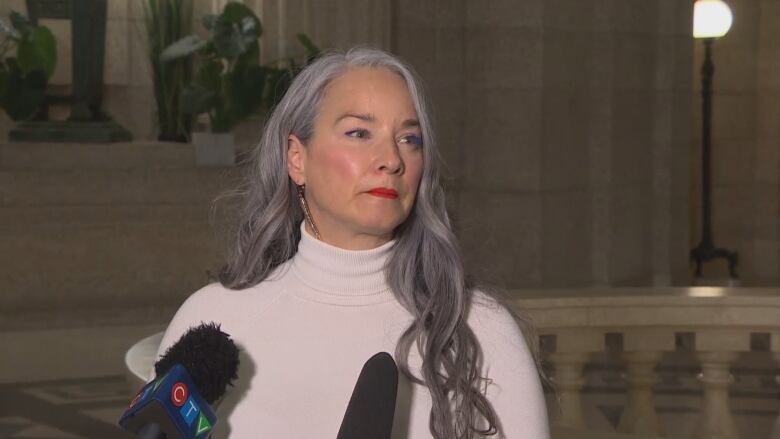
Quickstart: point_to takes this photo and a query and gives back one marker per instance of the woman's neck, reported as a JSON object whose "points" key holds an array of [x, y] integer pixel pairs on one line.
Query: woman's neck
{"points": [[349, 240], [340, 276]]}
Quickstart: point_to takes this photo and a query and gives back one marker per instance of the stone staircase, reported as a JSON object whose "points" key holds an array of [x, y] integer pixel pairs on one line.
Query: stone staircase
{"points": [[104, 235]]}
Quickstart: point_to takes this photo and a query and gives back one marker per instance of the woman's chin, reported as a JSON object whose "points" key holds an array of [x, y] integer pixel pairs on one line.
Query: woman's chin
{"points": [[381, 229]]}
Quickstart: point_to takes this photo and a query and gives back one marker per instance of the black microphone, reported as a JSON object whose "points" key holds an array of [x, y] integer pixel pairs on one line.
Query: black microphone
{"points": [[190, 377], [371, 408]]}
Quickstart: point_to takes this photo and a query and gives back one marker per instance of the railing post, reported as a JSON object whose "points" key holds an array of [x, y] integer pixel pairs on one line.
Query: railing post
{"points": [[716, 350], [572, 351], [639, 416], [775, 433], [774, 348], [568, 383], [642, 350], [716, 420]]}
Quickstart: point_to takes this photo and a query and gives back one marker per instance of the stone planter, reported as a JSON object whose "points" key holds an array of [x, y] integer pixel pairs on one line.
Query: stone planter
{"points": [[214, 149]]}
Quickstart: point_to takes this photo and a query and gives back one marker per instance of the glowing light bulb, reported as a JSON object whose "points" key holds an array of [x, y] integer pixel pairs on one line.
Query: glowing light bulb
{"points": [[711, 18]]}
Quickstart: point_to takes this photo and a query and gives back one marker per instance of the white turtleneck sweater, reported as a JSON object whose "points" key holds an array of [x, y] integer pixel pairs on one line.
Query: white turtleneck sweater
{"points": [[306, 332]]}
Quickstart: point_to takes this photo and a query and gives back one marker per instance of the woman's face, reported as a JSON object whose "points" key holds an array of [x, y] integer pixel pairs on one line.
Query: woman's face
{"points": [[363, 164]]}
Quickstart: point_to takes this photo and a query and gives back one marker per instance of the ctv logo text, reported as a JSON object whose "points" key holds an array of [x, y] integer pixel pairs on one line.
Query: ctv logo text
{"points": [[189, 409], [179, 394]]}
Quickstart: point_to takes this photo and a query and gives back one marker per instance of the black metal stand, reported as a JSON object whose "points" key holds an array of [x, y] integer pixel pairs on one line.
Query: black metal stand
{"points": [[706, 250]]}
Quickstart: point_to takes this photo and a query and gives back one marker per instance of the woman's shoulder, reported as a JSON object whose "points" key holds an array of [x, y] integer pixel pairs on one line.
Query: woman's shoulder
{"points": [[509, 364], [208, 296], [491, 314], [216, 298], [209, 303], [217, 302], [499, 331]]}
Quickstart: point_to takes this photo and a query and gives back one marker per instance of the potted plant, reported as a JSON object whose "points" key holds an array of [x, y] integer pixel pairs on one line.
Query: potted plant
{"points": [[229, 84], [166, 22], [24, 77]]}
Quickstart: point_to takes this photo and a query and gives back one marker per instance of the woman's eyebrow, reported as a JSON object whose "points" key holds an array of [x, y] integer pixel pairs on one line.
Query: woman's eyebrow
{"points": [[367, 117], [410, 123]]}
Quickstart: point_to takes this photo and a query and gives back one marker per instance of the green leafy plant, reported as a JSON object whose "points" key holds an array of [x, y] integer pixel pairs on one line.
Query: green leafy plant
{"points": [[166, 22], [23, 77], [230, 83]]}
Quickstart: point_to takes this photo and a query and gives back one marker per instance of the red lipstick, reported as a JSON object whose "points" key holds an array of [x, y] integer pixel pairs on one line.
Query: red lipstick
{"points": [[383, 192]]}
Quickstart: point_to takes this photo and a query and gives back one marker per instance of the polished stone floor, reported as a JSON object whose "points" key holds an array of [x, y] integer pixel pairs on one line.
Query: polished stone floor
{"points": [[65, 409]]}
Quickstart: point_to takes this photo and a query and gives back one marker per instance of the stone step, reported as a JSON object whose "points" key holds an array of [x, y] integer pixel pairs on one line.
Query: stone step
{"points": [[52, 354], [63, 187], [69, 156], [107, 261], [86, 228], [18, 219], [54, 319]]}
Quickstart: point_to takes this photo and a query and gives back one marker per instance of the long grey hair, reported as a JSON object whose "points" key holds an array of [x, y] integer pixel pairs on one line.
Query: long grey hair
{"points": [[424, 271]]}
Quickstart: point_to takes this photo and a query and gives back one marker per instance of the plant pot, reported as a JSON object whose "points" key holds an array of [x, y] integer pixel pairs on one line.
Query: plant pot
{"points": [[214, 149]]}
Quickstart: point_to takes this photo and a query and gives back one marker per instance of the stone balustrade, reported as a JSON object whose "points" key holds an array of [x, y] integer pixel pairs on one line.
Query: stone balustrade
{"points": [[719, 324]]}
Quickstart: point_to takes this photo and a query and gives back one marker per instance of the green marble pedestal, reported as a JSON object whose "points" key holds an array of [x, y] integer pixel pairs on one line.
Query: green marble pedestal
{"points": [[87, 123]]}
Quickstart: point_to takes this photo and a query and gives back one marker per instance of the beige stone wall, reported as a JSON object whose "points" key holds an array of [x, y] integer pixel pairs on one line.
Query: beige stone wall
{"points": [[566, 128], [566, 125], [745, 143]]}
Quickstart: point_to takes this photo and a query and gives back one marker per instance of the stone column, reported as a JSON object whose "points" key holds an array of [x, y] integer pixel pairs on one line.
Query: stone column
{"points": [[775, 350], [568, 383], [642, 350], [639, 415], [572, 350], [716, 350], [716, 421]]}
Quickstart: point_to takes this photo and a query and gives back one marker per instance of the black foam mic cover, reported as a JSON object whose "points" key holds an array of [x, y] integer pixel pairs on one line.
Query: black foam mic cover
{"points": [[210, 357], [371, 408], [192, 375]]}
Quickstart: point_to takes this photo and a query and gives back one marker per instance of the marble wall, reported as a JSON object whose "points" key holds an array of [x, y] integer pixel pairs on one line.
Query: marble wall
{"points": [[745, 143], [565, 124], [566, 128]]}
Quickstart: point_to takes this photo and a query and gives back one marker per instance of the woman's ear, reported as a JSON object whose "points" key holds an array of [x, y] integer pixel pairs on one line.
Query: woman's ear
{"points": [[296, 158]]}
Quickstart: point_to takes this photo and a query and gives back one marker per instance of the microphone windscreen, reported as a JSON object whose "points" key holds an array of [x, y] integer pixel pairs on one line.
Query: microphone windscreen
{"points": [[371, 408], [210, 357]]}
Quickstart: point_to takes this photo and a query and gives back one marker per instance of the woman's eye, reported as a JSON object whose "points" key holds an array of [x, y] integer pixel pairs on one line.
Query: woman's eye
{"points": [[411, 139], [359, 133]]}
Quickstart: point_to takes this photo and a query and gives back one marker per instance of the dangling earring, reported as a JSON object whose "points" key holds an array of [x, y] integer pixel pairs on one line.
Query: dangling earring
{"points": [[306, 212]]}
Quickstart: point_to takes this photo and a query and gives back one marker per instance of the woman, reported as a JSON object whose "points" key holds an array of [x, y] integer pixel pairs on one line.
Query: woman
{"points": [[345, 250]]}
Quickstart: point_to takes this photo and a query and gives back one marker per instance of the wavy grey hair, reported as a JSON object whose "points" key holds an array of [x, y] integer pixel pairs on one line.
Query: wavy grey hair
{"points": [[424, 271]]}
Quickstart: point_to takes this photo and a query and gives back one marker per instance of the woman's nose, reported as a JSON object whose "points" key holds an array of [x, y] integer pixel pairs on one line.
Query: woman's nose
{"points": [[389, 159]]}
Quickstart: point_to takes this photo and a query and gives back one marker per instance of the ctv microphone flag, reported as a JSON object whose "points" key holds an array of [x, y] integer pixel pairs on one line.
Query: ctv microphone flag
{"points": [[174, 404]]}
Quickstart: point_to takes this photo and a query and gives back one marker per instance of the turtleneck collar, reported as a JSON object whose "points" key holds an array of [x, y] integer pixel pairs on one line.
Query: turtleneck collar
{"points": [[341, 277]]}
